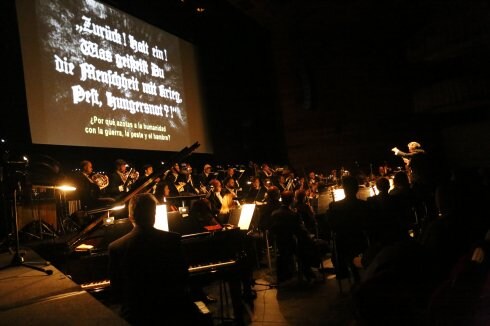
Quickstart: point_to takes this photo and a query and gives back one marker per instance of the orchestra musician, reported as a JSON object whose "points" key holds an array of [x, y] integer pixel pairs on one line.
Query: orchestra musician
{"points": [[215, 196], [174, 181], [201, 212], [187, 177], [230, 187], [90, 185], [265, 172], [227, 204], [121, 180], [333, 178], [147, 172], [301, 184], [384, 170], [312, 178], [205, 177], [257, 192], [281, 183], [231, 173], [291, 181], [162, 194]]}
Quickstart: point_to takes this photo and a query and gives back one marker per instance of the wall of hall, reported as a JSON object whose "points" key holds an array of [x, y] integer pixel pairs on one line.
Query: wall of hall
{"points": [[351, 89]]}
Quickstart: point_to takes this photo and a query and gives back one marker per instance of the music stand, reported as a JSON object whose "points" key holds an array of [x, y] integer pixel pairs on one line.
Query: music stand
{"points": [[65, 223], [244, 221], [43, 228], [18, 259]]}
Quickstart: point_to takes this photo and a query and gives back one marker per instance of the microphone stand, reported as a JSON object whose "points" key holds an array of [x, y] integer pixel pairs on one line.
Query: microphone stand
{"points": [[18, 258]]}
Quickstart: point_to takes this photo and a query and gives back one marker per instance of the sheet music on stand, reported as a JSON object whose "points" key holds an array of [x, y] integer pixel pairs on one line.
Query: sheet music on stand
{"points": [[241, 217], [161, 218]]}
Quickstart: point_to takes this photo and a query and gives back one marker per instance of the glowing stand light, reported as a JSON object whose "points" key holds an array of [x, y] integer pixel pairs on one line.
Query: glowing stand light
{"points": [[161, 218], [338, 194], [109, 220], [63, 220], [118, 207], [392, 184], [246, 216], [373, 191], [66, 188]]}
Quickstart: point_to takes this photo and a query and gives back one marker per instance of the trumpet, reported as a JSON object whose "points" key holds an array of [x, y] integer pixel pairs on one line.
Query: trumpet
{"points": [[130, 177], [203, 188]]}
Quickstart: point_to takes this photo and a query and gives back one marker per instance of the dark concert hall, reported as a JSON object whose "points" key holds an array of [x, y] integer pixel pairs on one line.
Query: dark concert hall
{"points": [[245, 162]]}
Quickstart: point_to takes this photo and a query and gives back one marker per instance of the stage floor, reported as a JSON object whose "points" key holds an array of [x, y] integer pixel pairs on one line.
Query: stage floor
{"points": [[33, 297]]}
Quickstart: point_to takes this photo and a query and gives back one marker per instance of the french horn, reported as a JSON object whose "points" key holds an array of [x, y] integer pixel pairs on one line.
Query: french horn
{"points": [[100, 180]]}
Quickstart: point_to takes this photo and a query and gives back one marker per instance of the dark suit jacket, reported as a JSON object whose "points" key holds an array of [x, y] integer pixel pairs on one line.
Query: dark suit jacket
{"points": [[149, 275], [215, 202], [87, 191], [172, 182], [349, 218], [419, 165], [113, 189]]}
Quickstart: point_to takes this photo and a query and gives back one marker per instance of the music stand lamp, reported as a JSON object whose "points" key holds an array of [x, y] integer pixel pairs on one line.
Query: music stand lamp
{"points": [[62, 216], [109, 220], [43, 228]]}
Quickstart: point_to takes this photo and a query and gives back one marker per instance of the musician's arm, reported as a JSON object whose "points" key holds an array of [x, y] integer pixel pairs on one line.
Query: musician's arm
{"points": [[401, 153]]}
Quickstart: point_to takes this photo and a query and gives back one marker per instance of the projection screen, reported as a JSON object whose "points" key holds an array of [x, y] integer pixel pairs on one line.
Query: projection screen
{"points": [[98, 77]]}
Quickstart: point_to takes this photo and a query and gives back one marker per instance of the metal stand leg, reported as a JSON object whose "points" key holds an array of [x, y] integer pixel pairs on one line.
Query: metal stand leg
{"points": [[18, 259], [268, 251], [65, 223]]}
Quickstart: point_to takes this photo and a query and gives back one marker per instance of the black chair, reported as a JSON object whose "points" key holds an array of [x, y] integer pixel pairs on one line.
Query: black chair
{"points": [[343, 253]]}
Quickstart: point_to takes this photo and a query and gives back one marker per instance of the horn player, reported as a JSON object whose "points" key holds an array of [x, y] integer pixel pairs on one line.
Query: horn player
{"points": [[90, 185]]}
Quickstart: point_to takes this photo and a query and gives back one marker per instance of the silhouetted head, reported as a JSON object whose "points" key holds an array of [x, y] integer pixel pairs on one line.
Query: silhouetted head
{"points": [[119, 162], [273, 193], [287, 197], [400, 180], [201, 208], [148, 169], [383, 184], [412, 146], [142, 209], [350, 185], [86, 166], [300, 195], [207, 168], [216, 184], [229, 182]]}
